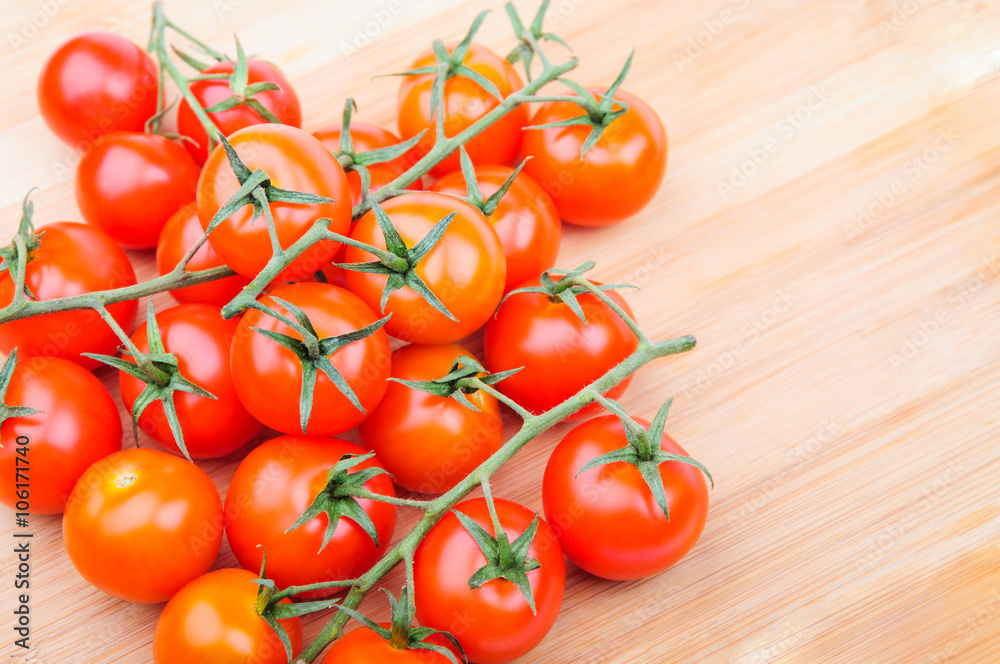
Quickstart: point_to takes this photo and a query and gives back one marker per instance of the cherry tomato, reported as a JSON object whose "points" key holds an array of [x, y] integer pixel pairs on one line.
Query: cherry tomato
{"points": [[94, 84], [465, 269], [129, 184], [78, 424], [283, 103], [465, 102], [181, 233], [201, 339], [364, 646], [493, 623], [560, 353], [526, 220], [274, 486], [71, 259], [615, 179], [214, 619], [427, 442], [293, 160], [140, 524], [606, 518]]}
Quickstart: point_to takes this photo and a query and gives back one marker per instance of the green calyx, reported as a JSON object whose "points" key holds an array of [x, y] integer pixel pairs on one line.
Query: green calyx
{"points": [[314, 353], [15, 257], [337, 499], [9, 412], [465, 377], [530, 37], [243, 94], [474, 195], [567, 288], [159, 370], [643, 450]]}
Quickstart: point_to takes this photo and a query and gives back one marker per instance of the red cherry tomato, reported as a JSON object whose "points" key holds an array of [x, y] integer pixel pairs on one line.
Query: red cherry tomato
{"points": [[129, 184], [71, 259], [526, 220], [274, 486], [363, 646], [201, 339], [78, 425], [606, 518], [214, 619], [427, 442], [268, 376], [181, 233], [465, 102], [293, 160], [284, 103], [141, 524], [493, 623], [615, 179], [465, 269], [560, 353], [94, 84]]}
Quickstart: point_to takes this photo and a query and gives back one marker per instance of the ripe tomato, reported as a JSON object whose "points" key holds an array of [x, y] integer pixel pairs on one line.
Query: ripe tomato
{"points": [[427, 442], [606, 518], [283, 103], [364, 646], [526, 220], [78, 424], [71, 259], [129, 184], [140, 524], [293, 160], [201, 339], [560, 353], [274, 486], [465, 269], [214, 619], [493, 623], [615, 179], [465, 102], [268, 376], [94, 84], [181, 233]]}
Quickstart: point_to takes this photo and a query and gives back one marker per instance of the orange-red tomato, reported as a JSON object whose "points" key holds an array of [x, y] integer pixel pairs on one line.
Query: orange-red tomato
{"points": [[615, 179], [201, 339], [465, 102], [214, 619], [140, 524], [78, 424], [363, 646], [526, 220], [293, 160], [72, 259], [284, 103], [465, 269], [427, 442], [606, 518], [274, 486]]}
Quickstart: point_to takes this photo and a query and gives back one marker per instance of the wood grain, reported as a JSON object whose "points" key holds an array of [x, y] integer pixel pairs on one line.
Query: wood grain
{"points": [[844, 292]]}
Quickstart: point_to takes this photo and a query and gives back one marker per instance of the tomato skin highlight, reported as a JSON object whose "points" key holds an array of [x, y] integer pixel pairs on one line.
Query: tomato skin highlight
{"points": [[271, 489], [73, 259], [606, 518], [505, 627], [130, 184], [213, 619], [466, 269], [94, 84], [293, 160], [615, 179], [284, 103], [79, 424], [363, 646], [465, 102], [430, 443], [560, 353], [140, 510], [201, 339]]}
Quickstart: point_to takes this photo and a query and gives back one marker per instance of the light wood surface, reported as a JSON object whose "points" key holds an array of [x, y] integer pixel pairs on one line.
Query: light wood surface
{"points": [[843, 392]]}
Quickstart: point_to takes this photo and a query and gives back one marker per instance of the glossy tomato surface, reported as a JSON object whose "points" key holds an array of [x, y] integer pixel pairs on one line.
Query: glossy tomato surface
{"points": [[363, 646]]}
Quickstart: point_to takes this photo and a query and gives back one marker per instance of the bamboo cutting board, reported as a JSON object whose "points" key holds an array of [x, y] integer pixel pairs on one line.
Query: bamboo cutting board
{"points": [[829, 231]]}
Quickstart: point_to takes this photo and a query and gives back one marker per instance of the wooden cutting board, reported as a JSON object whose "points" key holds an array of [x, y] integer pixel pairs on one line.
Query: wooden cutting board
{"points": [[829, 229]]}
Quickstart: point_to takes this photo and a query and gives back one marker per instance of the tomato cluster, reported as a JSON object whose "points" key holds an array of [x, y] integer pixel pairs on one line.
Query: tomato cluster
{"points": [[296, 340]]}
